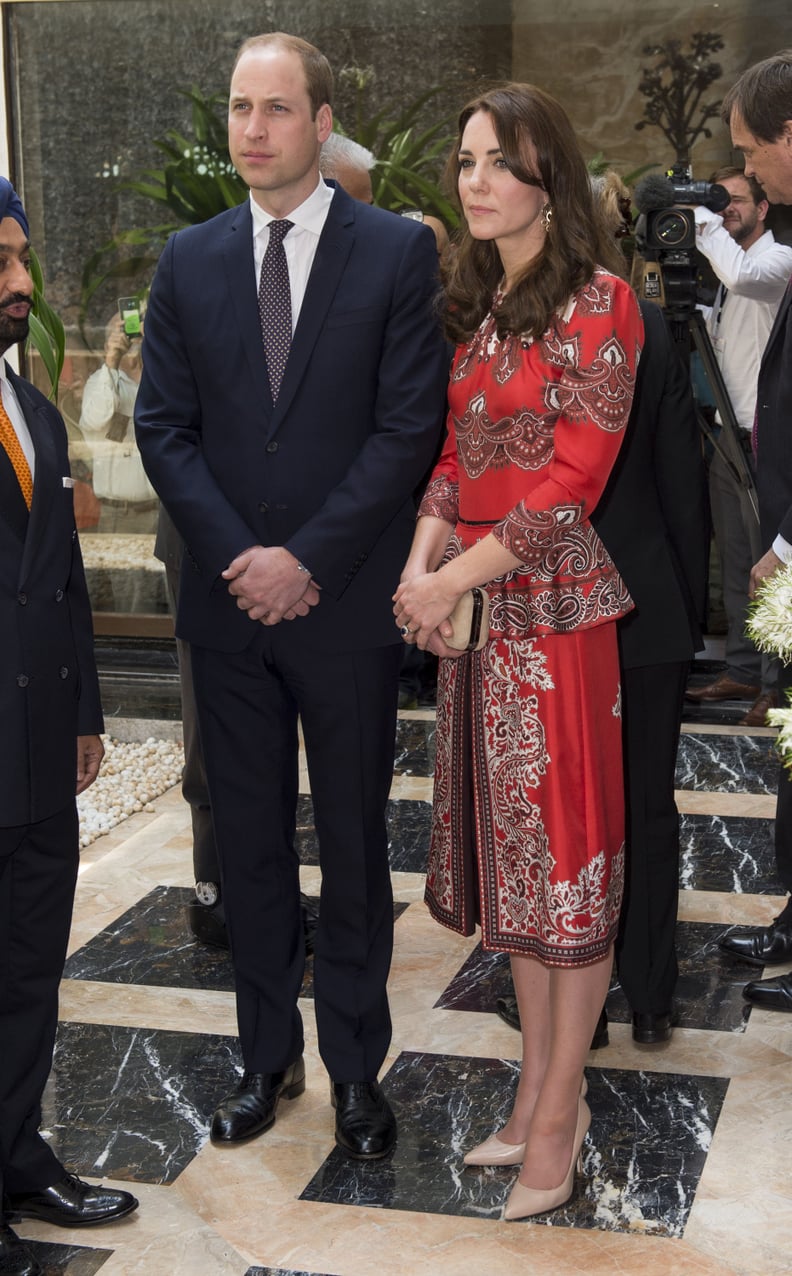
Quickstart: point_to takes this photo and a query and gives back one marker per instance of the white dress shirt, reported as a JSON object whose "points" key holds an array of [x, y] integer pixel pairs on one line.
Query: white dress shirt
{"points": [[299, 245], [739, 325]]}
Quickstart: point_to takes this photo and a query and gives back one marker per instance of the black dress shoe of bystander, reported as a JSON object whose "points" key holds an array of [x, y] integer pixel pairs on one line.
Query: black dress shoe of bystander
{"points": [[651, 1030], [71, 1203], [760, 945], [15, 1257], [251, 1108], [770, 994], [207, 923], [365, 1127]]}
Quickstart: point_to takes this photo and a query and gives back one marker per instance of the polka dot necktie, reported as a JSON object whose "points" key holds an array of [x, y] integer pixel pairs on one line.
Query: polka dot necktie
{"points": [[275, 305], [9, 440]]}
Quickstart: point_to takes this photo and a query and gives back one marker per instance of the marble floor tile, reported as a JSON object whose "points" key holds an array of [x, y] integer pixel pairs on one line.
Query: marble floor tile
{"points": [[415, 750], [641, 1165], [708, 995], [134, 1103], [280, 1271], [727, 853], [151, 944], [745, 764], [408, 833], [65, 1260]]}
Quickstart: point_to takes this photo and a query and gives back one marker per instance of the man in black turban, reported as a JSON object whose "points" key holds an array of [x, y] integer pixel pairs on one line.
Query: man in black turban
{"points": [[51, 716]]}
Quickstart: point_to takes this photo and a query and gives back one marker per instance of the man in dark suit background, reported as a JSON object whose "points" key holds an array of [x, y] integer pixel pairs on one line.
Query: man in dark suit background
{"points": [[285, 434], [758, 109], [652, 520], [51, 716]]}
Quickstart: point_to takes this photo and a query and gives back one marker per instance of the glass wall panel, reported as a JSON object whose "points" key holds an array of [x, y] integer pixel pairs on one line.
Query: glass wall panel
{"points": [[94, 85]]}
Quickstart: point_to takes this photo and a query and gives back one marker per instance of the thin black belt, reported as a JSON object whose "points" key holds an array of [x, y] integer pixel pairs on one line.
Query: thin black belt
{"points": [[478, 522]]}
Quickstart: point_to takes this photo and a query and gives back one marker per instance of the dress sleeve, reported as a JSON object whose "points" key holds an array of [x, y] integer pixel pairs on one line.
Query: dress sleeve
{"points": [[591, 360], [441, 498]]}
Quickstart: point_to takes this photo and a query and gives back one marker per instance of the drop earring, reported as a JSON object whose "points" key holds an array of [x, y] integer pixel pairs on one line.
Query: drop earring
{"points": [[547, 218]]}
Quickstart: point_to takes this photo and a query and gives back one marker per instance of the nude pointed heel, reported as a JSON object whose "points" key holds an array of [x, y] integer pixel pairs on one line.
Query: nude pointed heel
{"points": [[494, 1151], [524, 1201]]}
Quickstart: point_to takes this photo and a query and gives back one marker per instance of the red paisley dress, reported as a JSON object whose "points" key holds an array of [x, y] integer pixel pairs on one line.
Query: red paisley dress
{"points": [[528, 818]]}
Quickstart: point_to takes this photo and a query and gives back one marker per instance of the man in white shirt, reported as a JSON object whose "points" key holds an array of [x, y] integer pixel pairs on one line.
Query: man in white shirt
{"points": [[753, 271]]}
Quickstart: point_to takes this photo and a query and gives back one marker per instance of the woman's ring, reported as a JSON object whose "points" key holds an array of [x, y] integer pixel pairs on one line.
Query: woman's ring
{"points": [[404, 631]]}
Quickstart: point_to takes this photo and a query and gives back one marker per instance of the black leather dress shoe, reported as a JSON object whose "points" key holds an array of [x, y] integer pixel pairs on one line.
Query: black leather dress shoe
{"points": [[770, 994], [251, 1108], [71, 1203], [207, 923], [650, 1030], [310, 920], [508, 1010], [761, 945], [365, 1127], [15, 1257]]}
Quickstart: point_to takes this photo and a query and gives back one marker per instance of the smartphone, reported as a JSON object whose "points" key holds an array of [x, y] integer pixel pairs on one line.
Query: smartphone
{"points": [[131, 320]]}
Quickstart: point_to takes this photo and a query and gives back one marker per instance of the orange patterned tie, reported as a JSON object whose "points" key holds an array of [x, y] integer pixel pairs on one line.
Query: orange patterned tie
{"points": [[9, 440]]}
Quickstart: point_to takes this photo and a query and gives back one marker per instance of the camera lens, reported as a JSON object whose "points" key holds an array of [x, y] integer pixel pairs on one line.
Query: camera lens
{"points": [[670, 228]]}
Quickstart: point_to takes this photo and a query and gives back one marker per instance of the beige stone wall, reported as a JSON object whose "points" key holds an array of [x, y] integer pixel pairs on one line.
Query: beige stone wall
{"points": [[589, 54]]}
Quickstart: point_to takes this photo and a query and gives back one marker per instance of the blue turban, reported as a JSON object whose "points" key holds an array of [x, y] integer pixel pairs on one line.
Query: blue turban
{"points": [[11, 205]]}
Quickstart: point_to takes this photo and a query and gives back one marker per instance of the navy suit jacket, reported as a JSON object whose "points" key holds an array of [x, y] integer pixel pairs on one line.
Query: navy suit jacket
{"points": [[330, 468], [652, 516], [773, 442], [49, 690]]}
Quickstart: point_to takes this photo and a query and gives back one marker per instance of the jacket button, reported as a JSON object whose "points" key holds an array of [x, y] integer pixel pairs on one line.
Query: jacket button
{"points": [[263, 508], [22, 599], [272, 447], [63, 671], [22, 680], [58, 595]]}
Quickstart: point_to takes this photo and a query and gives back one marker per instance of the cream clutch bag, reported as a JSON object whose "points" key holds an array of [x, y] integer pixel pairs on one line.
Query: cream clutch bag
{"points": [[470, 620]]}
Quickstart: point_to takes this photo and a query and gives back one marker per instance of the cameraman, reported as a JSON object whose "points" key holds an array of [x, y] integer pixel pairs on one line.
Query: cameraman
{"points": [[753, 271]]}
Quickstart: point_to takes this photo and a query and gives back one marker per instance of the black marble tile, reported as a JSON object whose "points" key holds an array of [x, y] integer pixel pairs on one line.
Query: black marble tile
{"points": [[727, 763], [642, 1164], [708, 993], [415, 747], [64, 1260], [409, 825], [150, 944], [728, 853], [134, 1103], [280, 1271]]}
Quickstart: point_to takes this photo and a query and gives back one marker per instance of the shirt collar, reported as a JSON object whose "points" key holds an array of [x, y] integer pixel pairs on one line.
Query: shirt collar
{"points": [[309, 215]]}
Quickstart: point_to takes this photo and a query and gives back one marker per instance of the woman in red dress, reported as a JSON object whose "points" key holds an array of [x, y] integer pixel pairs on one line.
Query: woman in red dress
{"points": [[528, 822]]}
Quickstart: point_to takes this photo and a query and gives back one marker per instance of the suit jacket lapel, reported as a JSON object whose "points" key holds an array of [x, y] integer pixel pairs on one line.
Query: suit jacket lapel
{"points": [[332, 253], [47, 481], [238, 255], [780, 320]]}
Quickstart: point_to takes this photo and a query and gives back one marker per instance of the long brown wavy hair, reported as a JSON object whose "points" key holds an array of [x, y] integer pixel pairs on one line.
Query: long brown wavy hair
{"points": [[575, 243]]}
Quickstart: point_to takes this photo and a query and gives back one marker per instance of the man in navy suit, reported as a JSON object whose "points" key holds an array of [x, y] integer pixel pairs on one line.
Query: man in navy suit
{"points": [[51, 718], [288, 463], [758, 109]]}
